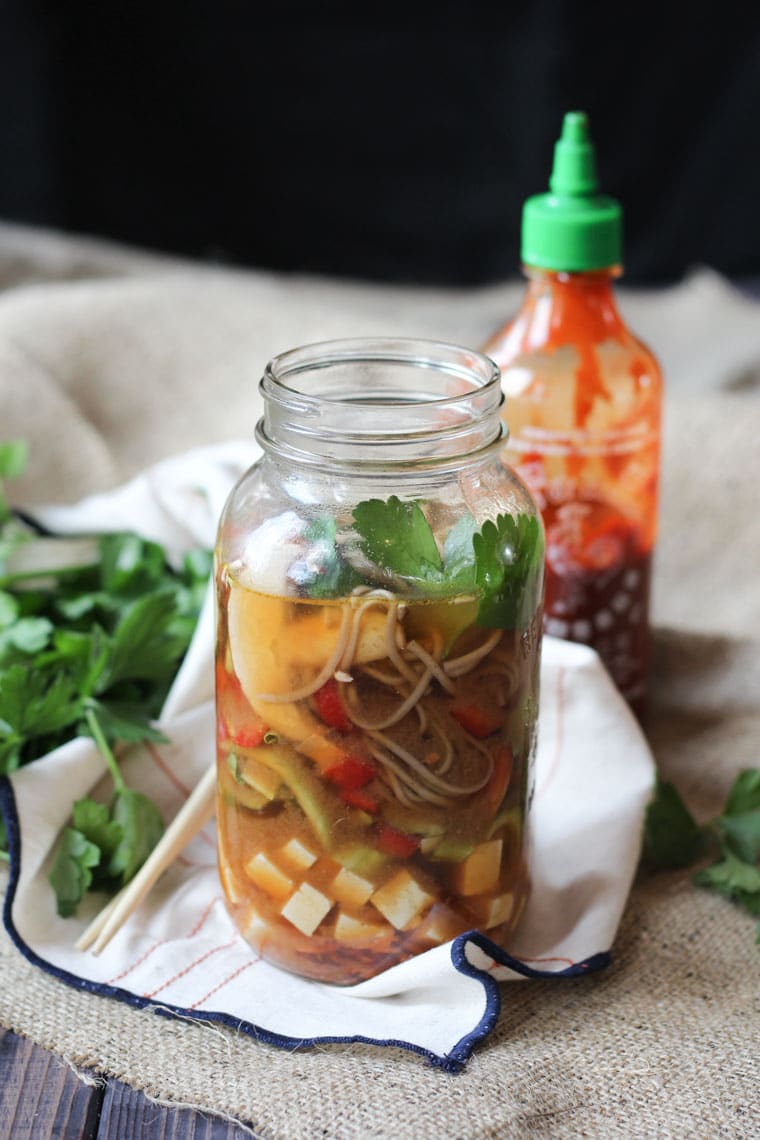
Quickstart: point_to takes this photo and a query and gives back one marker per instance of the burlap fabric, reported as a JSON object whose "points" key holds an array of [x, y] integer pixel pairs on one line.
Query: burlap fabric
{"points": [[110, 360]]}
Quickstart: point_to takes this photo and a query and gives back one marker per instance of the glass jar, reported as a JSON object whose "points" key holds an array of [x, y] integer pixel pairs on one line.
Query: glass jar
{"points": [[379, 585]]}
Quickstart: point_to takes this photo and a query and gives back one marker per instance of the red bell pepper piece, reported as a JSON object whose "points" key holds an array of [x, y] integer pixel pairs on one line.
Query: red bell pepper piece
{"points": [[393, 842], [236, 721], [350, 774], [330, 708], [356, 798], [476, 720]]}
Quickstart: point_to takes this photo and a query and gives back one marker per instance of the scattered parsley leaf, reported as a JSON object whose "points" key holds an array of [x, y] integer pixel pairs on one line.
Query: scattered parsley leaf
{"points": [[93, 820], [672, 837], [745, 793], [141, 826], [741, 834], [71, 873], [13, 458], [125, 720], [731, 877]]}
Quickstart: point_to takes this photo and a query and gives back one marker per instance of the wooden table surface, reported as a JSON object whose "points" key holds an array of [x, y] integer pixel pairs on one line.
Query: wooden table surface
{"points": [[41, 1098]]}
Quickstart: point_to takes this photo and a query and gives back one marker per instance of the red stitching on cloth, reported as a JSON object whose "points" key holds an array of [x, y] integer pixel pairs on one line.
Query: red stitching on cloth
{"points": [[159, 760], [176, 782], [230, 978], [187, 969], [162, 942], [560, 732]]}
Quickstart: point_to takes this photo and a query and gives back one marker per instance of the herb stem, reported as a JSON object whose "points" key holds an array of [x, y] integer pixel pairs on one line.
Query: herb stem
{"points": [[105, 749]]}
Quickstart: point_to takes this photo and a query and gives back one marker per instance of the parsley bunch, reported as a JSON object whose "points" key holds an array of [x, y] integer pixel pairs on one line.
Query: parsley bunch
{"points": [[92, 632], [672, 838]]}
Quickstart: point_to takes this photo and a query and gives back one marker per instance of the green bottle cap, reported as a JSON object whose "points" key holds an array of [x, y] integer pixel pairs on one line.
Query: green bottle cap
{"points": [[572, 228]]}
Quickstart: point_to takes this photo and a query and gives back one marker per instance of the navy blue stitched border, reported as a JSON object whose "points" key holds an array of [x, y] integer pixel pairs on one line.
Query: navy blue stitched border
{"points": [[451, 1062]]}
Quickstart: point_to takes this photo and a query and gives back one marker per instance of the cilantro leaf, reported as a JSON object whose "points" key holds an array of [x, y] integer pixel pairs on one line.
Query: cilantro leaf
{"points": [[141, 827], [397, 537], [508, 556], [459, 554], [672, 837], [71, 873]]}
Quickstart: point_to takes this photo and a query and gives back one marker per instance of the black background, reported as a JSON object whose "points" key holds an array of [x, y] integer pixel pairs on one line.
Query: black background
{"points": [[390, 142]]}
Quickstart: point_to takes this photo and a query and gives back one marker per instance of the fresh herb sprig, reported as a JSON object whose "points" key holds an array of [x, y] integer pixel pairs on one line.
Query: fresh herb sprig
{"points": [[673, 838], [105, 847], [501, 562], [92, 632]]}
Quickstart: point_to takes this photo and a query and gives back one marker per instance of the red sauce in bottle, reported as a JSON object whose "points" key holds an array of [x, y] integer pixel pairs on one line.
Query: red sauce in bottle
{"points": [[583, 409]]}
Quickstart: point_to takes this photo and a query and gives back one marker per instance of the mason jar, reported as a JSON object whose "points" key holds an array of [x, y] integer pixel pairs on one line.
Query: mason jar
{"points": [[379, 580]]}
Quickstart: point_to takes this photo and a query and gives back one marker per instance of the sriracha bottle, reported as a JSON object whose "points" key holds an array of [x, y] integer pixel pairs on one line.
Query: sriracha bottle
{"points": [[583, 403]]}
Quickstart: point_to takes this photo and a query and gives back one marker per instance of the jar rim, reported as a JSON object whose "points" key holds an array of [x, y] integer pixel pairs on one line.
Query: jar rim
{"points": [[371, 402], [442, 356]]}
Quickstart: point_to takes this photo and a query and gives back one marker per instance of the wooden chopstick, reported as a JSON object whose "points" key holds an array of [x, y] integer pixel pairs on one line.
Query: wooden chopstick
{"points": [[194, 813]]}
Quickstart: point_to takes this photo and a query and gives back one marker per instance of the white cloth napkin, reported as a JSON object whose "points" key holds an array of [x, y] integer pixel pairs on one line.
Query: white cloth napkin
{"points": [[180, 952]]}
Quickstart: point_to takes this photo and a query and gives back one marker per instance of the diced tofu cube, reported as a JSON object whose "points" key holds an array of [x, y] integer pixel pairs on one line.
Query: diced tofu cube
{"points": [[349, 929], [402, 900], [306, 909], [492, 911], [443, 924], [298, 855], [351, 889], [255, 928], [479, 873], [267, 875]]}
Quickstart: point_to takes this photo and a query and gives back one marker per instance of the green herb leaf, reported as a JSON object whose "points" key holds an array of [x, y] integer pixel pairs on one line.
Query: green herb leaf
{"points": [[459, 554], [125, 720], [93, 821], [745, 793], [508, 554], [144, 644], [672, 837], [130, 565], [142, 827], [397, 537], [741, 834], [35, 703], [735, 879], [71, 873], [13, 458]]}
